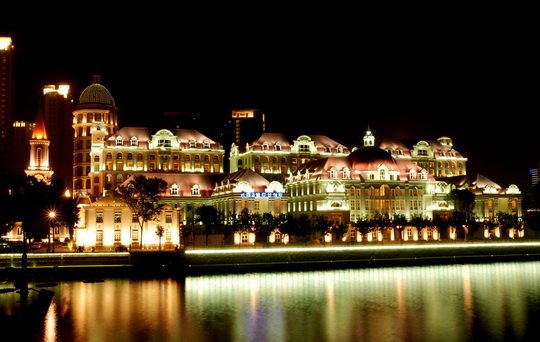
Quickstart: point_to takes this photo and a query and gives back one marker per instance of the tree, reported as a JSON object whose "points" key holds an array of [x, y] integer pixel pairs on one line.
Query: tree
{"points": [[399, 222], [208, 215], [141, 195], [29, 201], [159, 232], [463, 209]]}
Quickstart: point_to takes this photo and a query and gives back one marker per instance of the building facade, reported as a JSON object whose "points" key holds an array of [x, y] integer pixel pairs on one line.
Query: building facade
{"points": [[439, 158], [95, 111], [6, 101], [57, 113], [275, 157], [39, 165]]}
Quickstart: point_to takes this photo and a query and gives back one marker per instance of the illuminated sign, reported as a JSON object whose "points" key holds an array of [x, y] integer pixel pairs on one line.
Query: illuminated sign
{"points": [[243, 114], [262, 194]]}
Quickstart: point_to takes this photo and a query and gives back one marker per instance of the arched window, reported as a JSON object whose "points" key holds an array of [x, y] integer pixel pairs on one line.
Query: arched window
{"points": [[119, 141], [174, 189], [134, 141], [96, 159], [196, 190]]}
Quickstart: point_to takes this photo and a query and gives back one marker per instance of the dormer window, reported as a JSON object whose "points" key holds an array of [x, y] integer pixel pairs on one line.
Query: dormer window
{"points": [[346, 173], [422, 152], [382, 174], [339, 149], [265, 146], [206, 144], [196, 190], [278, 147], [119, 141], [192, 144], [164, 143], [134, 141], [333, 173], [412, 174], [174, 189], [303, 148]]}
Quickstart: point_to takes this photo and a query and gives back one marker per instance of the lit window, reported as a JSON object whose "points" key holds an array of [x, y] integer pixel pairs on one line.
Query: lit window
{"points": [[134, 141], [174, 189], [119, 141], [196, 190]]}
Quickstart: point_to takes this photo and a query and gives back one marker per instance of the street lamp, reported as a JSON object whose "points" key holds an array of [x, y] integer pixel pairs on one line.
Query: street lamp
{"points": [[52, 217]]}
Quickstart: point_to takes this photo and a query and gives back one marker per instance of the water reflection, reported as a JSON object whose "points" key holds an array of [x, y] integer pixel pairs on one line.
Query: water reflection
{"points": [[493, 302]]}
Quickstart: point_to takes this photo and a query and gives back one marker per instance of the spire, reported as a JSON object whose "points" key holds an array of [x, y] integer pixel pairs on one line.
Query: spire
{"points": [[369, 139], [39, 133]]}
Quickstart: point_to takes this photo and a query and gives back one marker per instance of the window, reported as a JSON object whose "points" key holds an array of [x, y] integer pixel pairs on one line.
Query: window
{"points": [[174, 189], [119, 141], [277, 147], [333, 173], [206, 144], [168, 217], [196, 190], [99, 217], [117, 235], [99, 236], [303, 148], [134, 141], [96, 159], [117, 217], [339, 149], [134, 218], [164, 143], [192, 144], [346, 173], [265, 146]]}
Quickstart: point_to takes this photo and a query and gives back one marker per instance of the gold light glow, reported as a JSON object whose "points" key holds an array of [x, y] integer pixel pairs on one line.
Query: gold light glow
{"points": [[62, 89], [5, 43], [243, 114]]}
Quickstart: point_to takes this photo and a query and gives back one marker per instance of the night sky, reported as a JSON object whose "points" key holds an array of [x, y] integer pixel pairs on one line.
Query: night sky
{"points": [[470, 78]]}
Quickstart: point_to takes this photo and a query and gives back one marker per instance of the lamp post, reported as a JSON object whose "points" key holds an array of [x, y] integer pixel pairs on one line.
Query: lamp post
{"points": [[52, 217]]}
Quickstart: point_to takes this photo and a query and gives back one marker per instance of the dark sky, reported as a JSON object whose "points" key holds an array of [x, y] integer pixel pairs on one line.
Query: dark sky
{"points": [[470, 77]]}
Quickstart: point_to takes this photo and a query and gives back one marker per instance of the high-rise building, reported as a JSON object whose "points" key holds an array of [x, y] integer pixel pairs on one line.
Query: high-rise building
{"points": [[6, 100], [95, 110], [20, 148], [57, 113], [39, 165]]}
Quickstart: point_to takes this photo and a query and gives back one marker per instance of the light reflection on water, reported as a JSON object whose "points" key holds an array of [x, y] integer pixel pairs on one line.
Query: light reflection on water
{"points": [[494, 302]]}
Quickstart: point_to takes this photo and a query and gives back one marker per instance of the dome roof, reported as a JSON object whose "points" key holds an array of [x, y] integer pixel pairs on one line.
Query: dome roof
{"points": [[96, 94], [369, 158]]}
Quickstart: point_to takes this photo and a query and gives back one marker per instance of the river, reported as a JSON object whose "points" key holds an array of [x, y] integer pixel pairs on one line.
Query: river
{"points": [[476, 302]]}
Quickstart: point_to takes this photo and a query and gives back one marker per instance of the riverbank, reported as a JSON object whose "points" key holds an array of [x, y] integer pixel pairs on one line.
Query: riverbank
{"points": [[88, 266]]}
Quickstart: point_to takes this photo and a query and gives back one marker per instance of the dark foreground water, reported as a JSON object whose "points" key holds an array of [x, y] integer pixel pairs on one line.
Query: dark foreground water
{"points": [[492, 302]]}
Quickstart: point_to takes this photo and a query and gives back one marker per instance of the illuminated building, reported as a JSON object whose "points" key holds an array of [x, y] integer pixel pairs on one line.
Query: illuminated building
{"points": [[20, 148], [371, 181], [57, 113], [247, 189], [438, 158], [275, 157], [38, 165], [94, 111], [490, 197], [6, 101]]}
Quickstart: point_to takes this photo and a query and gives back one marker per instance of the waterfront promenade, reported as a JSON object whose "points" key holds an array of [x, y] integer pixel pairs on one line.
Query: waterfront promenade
{"points": [[250, 259]]}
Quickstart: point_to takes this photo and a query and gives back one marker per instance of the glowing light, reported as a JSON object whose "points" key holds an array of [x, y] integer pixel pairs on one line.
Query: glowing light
{"points": [[439, 246], [5, 43], [63, 89]]}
